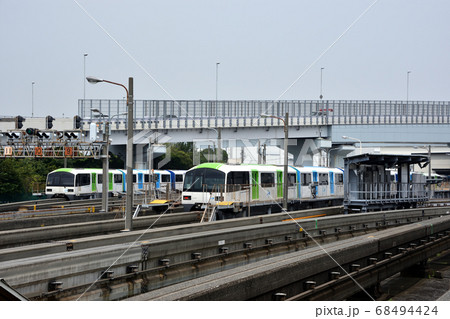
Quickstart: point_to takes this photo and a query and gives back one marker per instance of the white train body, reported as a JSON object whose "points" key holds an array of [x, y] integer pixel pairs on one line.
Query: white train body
{"points": [[74, 183], [239, 188]]}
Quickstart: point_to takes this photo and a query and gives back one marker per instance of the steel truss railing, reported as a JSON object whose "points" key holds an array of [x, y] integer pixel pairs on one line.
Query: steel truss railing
{"points": [[168, 114]]}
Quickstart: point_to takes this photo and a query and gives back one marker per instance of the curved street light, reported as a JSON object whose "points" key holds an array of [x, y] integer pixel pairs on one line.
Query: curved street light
{"points": [[355, 139], [129, 152]]}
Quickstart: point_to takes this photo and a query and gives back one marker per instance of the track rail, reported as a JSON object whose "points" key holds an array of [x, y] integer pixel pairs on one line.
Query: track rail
{"points": [[367, 259]]}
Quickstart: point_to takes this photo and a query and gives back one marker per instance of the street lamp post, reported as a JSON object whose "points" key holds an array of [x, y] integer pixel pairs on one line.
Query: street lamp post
{"points": [[321, 96], [285, 162], [355, 139], [129, 152], [32, 99], [84, 83], [407, 86], [217, 80]]}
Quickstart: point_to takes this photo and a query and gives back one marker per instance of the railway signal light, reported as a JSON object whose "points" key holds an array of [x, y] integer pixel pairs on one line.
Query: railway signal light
{"points": [[49, 122], [31, 131], [70, 135], [12, 134], [42, 135], [35, 132], [76, 122], [19, 122]]}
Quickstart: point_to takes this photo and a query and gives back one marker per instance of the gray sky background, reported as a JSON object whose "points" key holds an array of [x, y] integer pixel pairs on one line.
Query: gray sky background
{"points": [[262, 47]]}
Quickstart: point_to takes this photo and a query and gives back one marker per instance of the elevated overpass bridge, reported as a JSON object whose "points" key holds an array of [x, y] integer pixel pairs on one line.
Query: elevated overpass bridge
{"points": [[315, 127]]}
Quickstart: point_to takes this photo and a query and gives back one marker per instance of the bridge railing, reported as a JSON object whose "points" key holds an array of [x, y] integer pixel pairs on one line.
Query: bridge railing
{"points": [[188, 114]]}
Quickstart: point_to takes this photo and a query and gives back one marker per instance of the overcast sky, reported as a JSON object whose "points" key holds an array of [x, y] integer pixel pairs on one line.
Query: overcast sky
{"points": [[262, 47]]}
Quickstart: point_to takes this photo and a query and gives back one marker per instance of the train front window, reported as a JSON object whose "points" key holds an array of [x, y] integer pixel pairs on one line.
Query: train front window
{"points": [[60, 179], [203, 180]]}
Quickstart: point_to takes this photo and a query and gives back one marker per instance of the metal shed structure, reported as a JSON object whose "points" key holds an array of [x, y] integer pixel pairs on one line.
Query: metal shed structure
{"points": [[381, 181]]}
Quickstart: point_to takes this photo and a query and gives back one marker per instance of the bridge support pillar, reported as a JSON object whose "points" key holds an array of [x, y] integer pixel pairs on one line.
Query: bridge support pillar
{"points": [[309, 152]]}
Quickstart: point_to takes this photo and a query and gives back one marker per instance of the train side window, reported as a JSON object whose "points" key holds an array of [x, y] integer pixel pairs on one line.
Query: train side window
{"points": [[146, 178], [339, 179], [267, 179], [238, 178], [165, 178], [323, 179], [178, 178], [83, 180], [134, 178], [99, 179], [306, 179], [292, 179], [117, 178]]}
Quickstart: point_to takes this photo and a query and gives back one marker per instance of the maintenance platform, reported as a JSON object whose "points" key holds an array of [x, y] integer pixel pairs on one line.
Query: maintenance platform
{"points": [[381, 182]]}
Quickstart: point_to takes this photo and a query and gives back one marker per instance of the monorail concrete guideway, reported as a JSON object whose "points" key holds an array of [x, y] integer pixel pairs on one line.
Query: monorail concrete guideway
{"points": [[227, 255]]}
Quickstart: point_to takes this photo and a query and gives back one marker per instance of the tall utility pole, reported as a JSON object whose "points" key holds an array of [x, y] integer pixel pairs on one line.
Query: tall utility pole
{"points": [[285, 162], [321, 96], [217, 81], [407, 86], [285, 180], [129, 161], [105, 158], [429, 172], [84, 82], [105, 169], [32, 99], [129, 153]]}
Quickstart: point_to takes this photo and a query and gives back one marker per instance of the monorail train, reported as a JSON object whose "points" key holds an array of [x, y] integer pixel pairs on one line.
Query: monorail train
{"points": [[76, 183], [243, 190]]}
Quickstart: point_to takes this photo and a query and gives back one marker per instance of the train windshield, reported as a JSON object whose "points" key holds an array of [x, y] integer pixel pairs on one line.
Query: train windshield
{"points": [[60, 179], [203, 180]]}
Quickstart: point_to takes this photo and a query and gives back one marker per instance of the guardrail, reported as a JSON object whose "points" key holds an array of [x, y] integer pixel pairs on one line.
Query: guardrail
{"points": [[168, 114]]}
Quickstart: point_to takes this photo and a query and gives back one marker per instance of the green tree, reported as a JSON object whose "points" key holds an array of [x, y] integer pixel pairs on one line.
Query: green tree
{"points": [[10, 184], [20, 177], [180, 157]]}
